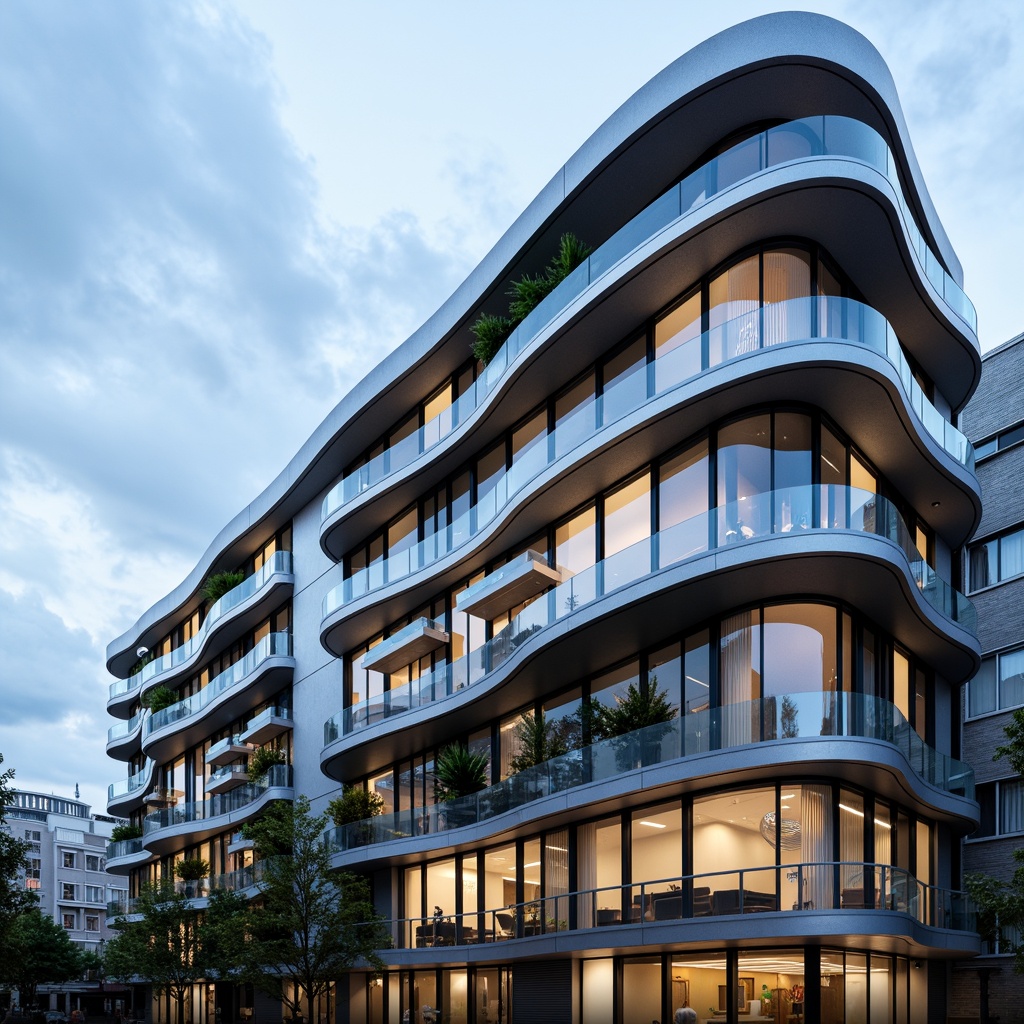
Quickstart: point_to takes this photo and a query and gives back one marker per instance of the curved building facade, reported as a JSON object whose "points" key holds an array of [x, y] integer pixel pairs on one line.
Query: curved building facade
{"points": [[680, 563]]}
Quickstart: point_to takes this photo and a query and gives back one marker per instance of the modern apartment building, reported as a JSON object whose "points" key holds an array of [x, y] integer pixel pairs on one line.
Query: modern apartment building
{"points": [[66, 869], [994, 570], [718, 463]]}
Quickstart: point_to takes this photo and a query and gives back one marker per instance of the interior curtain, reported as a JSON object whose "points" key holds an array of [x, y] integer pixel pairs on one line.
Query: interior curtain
{"points": [[736, 682], [586, 872], [816, 844]]}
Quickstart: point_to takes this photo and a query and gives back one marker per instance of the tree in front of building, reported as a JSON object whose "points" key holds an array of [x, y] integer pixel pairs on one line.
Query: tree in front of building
{"points": [[1001, 904], [173, 946], [15, 899], [310, 925], [38, 951]]}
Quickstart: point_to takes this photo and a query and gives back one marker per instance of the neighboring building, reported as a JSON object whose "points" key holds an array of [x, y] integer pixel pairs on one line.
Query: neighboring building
{"points": [[994, 570], [721, 460], [67, 870]]}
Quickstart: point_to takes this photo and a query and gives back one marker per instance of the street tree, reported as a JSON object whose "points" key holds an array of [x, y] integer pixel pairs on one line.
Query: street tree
{"points": [[15, 899], [38, 951], [1001, 903], [310, 925], [172, 945]]}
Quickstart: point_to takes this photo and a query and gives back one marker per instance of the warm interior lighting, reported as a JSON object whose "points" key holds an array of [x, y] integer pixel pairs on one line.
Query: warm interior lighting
{"points": [[860, 814], [652, 824]]}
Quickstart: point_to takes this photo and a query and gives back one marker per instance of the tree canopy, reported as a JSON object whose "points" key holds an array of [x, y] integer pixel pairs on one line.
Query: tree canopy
{"points": [[1000, 903], [38, 951], [15, 899], [312, 925], [172, 945]]}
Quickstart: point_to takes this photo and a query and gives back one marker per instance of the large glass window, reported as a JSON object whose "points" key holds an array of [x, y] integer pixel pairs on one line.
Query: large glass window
{"points": [[733, 856], [677, 344], [627, 522], [599, 873], [625, 381], [656, 860], [996, 559], [683, 504], [733, 310], [999, 684], [744, 477]]}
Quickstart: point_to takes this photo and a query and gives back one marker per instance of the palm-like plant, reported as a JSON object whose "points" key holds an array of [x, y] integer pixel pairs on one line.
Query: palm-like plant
{"points": [[458, 772]]}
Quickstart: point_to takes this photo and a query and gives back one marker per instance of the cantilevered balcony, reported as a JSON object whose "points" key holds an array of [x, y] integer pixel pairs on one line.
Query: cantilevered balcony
{"points": [[223, 780], [123, 737], [798, 515], [229, 749], [406, 646], [268, 724], [806, 900], [251, 680], [126, 854], [166, 829], [516, 581], [798, 141], [127, 794], [249, 596], [804, 718]]}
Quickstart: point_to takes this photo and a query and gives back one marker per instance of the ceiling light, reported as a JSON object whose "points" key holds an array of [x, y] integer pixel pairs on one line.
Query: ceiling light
{"points": [[651, 824], [532, 864]]}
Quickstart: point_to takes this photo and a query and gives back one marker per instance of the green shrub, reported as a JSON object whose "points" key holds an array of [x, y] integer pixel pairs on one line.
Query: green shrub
{"points": [[458, 772], [121, 833], [355, 804], [538, 741], [639, 708], [262, 760], [491, 331], [217, 585], [159, 697]]}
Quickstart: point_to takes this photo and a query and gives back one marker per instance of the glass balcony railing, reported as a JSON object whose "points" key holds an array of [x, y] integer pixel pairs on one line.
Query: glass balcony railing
{"points": [[125, 787], [843, 886], [122, 730], [795, 320], [279, 776], [279, 562], [124, 848], [789, 511], [271, 646], [795, 141], [794, 716]]}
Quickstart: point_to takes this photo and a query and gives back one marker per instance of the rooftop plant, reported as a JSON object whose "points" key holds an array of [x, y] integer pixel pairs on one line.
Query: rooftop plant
{"points": [[492, 330]]}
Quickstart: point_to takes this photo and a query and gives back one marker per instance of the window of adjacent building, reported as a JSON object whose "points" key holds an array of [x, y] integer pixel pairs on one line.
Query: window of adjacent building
{"points": [[92, 923], [94, 894], [32, 872], [32, 836], [996, 559], [67, 859], [1002, 808], [69, 921], [92, 862], [999, 684], [67, 890]]}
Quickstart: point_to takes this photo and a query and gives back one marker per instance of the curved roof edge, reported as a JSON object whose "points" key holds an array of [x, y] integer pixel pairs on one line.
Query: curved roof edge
{"points": [[770, 39]]}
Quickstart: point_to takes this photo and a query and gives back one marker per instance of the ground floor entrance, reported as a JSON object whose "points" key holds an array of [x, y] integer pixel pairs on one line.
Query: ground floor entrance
{"points": [[801, 985]]}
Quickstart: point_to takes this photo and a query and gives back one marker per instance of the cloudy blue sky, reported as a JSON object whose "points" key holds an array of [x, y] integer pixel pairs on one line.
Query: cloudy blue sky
{"points": [[216, 216]]}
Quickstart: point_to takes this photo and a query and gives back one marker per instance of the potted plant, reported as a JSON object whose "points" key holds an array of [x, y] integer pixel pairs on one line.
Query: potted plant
{"points": [[191, 871], [217, 585], [262, 760], [641, 707], [355, 807]]}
